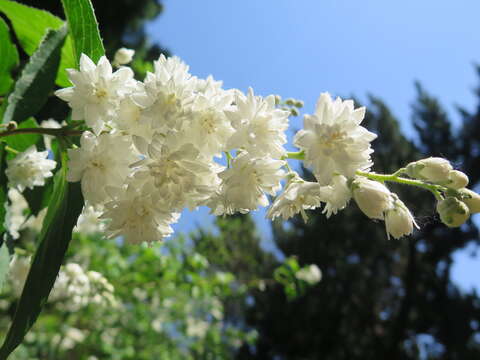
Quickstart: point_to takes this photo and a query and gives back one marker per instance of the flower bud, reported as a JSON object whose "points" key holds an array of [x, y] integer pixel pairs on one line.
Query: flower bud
{"points": [[290, 102], [472, 199], [399, 220], [372, 197], [123, 56], [433, 169], [458, 180], [453, 212], [310, 274]]}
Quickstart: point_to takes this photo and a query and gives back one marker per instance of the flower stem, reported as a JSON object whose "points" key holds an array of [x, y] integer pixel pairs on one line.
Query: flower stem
{"points": [[435, 189], [43, 131], [299, 155]]}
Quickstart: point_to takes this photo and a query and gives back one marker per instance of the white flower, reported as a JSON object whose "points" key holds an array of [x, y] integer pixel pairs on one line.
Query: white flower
{"points": [[15, 217], [310, 274], [166, 94], [138, 215], [336, 195], [398, 220], [372, 197], [207, 127], [196, 327], [88, 222], [183, 177], [297, 197], [29, 169], [99, 162], [259, 125], [245, 183], [96, 91], [18, 272], [123, 56], [334, 141], [131, 121]]}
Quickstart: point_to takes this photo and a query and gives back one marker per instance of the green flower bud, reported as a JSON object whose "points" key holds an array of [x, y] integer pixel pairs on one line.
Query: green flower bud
{"points": [[433, 169], [299, 104], [290, 102], [472, 199], [453, 212]]}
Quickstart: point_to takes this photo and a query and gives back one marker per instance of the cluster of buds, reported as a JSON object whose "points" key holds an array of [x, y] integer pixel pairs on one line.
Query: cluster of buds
{"points": [[455, 203]]}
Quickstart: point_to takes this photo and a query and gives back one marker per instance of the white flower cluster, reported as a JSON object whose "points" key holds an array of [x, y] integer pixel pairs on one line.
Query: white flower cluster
{"points": [[161, 145], [29, 168], [175, 141], [73, 289]]}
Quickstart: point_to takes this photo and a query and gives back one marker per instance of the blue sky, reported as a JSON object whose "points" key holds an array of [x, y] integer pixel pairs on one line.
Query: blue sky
{"points": [[302, 48]]}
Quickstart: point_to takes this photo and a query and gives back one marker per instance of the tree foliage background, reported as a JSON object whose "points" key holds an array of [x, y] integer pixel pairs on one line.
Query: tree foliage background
{"points": [[213, 295]]}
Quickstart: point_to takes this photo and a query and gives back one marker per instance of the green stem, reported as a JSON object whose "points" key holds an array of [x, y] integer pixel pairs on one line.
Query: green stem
{"points": [[435, 189], [299, 155], [12, 150], [43, 131]]}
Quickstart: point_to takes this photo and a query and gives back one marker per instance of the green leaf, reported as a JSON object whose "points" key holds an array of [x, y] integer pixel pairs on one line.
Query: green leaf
{"points": [[22, 142], [4, 263], [54, 239], [84, 29], [3, 189], [38, 197], [30, 25], [8, 60], [37, 80]]}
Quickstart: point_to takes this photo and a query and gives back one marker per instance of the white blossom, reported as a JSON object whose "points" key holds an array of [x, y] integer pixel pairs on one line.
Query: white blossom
{"points": [[15, 217], [96, 91], [100, 162], [166, 94], [336, 195], [88, 222], [259, 125], [297, 197], [310, 274], [208, 128], [246, 183], [183, 177], [18, 272], [333, 140], [123, 56], [29, 168], [138, 215]]}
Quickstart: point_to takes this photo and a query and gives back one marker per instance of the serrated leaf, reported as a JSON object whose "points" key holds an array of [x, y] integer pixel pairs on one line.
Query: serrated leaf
{"points": [[37, 79], [4, 263], [8, 59], [53, 243], [84, 29], [30, 25]]}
